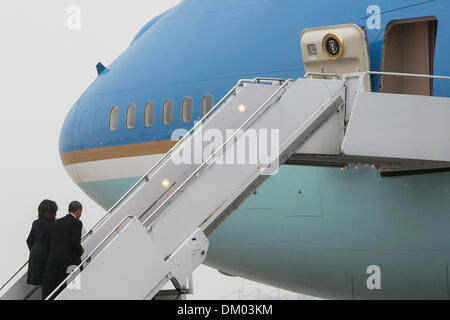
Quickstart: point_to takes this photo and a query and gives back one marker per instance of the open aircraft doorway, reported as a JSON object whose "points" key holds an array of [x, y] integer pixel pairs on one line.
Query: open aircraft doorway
{"points": [[409, 47]]}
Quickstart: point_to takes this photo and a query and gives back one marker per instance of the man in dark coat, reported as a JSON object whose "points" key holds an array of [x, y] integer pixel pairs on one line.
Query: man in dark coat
{"points": [[38, 241], [65, 249]]}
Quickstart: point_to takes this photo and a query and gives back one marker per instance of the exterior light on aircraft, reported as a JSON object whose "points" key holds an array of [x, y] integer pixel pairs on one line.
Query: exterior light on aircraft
{"points": [[165, 183], [241, 108], [312, 49]]}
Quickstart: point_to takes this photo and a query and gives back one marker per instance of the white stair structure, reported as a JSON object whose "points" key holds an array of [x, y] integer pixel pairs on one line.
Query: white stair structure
{"points": [[158, 231]]}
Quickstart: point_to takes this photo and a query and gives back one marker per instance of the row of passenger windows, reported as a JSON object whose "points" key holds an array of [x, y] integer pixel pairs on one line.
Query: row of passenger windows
{"points": [[187, 110]]}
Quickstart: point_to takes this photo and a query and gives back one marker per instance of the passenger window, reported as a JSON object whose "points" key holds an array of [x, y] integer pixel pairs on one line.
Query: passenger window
{"points": [[149, 113], [186, 109], [207, 104], [167, 113], [131, 116], [114, 118]]}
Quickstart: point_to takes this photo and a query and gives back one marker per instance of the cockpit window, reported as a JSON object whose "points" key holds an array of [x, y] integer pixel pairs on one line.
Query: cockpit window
{"points": [[114, 118], [186, 109], [149, 113], [167, 112], [131, 116], [207, 104]]}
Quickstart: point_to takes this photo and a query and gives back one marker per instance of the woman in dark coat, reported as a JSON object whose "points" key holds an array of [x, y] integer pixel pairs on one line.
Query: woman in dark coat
{"points": [[39, 240]]}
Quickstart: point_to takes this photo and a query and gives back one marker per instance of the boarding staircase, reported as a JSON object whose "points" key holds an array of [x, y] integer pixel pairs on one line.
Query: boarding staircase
{"points": [[158, 231]]}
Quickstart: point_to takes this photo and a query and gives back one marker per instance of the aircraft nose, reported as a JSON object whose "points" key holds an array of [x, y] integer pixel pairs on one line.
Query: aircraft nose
{"points": [[66, 145]]}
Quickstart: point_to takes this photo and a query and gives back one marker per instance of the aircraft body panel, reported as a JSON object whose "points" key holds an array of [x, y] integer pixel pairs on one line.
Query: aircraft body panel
{"points": [[313, 230]]}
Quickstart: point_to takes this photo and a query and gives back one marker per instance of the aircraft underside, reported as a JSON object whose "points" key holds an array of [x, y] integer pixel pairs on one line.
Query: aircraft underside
{"points": [[317, 230]]}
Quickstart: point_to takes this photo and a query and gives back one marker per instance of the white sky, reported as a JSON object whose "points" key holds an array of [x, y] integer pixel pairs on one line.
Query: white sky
{"points": [[44, 68]]}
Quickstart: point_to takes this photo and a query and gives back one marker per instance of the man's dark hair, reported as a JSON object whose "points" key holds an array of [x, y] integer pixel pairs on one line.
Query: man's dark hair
{"points": [[47, 209], [74, 206]]}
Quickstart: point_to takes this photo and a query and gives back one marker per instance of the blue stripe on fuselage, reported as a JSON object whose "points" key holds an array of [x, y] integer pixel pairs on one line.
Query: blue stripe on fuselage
{"points": [[200, 48]]}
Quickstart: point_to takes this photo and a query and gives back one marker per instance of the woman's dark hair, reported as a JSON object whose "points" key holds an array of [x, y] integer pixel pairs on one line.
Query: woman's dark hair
{"points": [[47, 209]]}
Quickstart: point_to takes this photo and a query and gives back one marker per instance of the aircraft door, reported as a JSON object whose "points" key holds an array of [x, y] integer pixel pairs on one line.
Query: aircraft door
{"points": [[336, 49]]}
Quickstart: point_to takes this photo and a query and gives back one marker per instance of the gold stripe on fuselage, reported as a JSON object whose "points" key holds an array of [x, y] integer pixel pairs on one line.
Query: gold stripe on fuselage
{"points": [[115, 152]]}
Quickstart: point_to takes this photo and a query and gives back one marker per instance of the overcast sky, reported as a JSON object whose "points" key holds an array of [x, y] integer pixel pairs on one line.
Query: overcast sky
{"points": [[45, 67]]}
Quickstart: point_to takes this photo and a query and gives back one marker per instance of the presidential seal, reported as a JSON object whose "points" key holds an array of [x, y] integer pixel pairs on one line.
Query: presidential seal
{"points": [[333, 46]]}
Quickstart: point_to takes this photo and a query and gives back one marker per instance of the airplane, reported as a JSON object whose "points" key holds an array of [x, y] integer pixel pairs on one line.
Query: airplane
{"points": [[308, 229], [317, 229]]}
